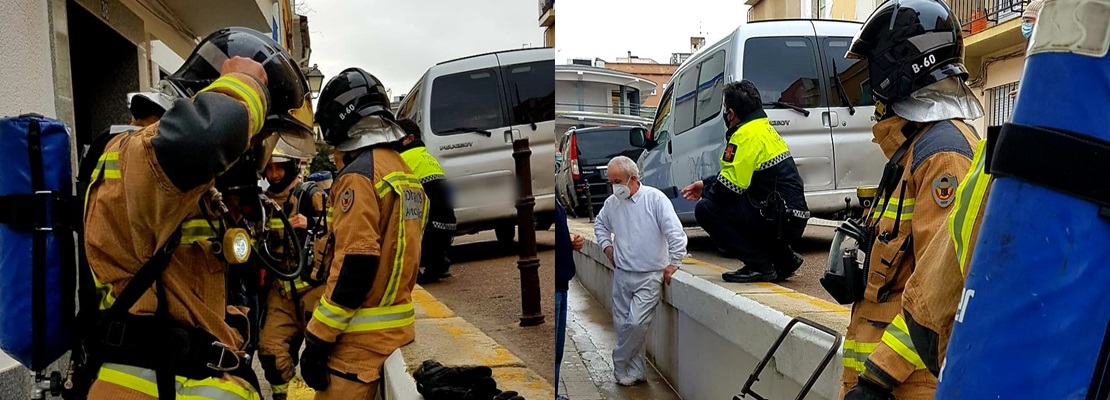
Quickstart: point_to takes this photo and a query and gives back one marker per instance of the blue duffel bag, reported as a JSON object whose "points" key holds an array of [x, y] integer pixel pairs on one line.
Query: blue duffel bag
{"points": [[37, 248]]}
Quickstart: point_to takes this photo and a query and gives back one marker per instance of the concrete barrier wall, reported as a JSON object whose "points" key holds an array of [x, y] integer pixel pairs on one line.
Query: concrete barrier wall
{"points": [[708, 336]]}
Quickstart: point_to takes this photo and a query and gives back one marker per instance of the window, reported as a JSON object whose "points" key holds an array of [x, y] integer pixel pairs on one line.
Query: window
{"points": [[784, 69], [470, 99], [408, 107], [699, 93], [853, 73], [661, 127], [531, 91], [1001, 104], [686, 89], [710, 84]]}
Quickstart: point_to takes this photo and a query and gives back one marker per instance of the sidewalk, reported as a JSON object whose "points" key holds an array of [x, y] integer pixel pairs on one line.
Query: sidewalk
{"points": [[451, 340], [587, 371]]}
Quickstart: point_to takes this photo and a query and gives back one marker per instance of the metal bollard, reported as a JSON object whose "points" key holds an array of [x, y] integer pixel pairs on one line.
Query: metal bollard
{"points": [[590, 201], [528, 264]]}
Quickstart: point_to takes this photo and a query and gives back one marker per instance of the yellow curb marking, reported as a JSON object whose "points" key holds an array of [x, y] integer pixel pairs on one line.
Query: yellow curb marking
{"points": [[432, 307]]}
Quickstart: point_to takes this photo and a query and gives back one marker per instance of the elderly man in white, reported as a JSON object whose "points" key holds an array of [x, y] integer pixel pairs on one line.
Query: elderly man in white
{"points": [[644, 241]]}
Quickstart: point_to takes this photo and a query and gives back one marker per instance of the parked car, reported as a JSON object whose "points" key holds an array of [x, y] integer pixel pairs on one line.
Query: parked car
{"points": [[470, 111], [582, 179], [819, 101]]}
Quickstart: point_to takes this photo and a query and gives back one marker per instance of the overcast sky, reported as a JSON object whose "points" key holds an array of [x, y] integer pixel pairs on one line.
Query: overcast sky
{"points": [[397, 41], [608, 29]]}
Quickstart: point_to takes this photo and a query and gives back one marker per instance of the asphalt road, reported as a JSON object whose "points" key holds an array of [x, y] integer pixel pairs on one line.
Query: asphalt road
{"points": [[814, 247]]}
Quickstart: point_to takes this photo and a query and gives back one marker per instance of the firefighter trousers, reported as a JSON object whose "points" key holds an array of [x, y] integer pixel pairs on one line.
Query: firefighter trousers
{"points": [[862, 337], [283, 332]]}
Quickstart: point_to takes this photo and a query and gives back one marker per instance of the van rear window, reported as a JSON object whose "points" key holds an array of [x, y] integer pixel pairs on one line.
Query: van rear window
{"points": [[469, 99], [784, 69], [597, 147]]}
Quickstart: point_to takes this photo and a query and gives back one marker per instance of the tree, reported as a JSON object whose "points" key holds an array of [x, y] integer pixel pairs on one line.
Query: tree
{"points": [[322, 160]]}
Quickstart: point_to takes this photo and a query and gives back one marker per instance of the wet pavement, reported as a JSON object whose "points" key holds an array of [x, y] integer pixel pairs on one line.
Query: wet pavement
{"points": [[814, 247], [587, 370]]}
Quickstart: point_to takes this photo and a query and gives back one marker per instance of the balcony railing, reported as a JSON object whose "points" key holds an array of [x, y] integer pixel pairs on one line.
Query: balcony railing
{"points": [[631, 109], [977, 15]]}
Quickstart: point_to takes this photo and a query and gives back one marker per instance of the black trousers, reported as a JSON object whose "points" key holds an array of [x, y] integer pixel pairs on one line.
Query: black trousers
{"points": [[433, 250], [743, 233]]}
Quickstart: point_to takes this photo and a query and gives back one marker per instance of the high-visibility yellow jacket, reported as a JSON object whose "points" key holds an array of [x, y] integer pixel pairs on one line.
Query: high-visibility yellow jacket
{"points": [[755, 163]]}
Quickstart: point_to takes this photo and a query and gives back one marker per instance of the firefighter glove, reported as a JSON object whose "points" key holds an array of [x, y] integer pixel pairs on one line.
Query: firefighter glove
{"points": [[867, 390], [314, 362]]}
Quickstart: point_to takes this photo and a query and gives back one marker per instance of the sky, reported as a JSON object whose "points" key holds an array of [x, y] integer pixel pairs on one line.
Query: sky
{"points": [[608, 29], [398, 40]]}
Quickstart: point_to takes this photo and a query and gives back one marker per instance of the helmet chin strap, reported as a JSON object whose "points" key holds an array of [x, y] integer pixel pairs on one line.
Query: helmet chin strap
{"points": [[882, 111]]}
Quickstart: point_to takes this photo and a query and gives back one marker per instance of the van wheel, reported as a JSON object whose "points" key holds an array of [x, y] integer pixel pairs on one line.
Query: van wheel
{"points": [[505, 234]]}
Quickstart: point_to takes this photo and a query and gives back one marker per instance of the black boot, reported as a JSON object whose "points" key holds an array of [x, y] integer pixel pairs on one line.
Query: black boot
{"points": [[787, 269], [749, 274]]}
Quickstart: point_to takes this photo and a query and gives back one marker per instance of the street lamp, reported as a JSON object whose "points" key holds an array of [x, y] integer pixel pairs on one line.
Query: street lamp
{"points": [[315, 80]]}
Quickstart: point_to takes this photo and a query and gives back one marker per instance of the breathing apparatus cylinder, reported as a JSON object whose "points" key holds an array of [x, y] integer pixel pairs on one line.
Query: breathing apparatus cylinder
{"points": [[1032, 321]]}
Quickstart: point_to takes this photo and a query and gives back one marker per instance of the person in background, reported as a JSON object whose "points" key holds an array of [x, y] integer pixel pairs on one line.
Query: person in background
{"points": [[1028, 21], [644, 241], [147, 107], [565, 246]]}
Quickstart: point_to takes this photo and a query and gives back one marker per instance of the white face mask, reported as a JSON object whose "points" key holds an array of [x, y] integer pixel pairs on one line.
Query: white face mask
{"points": [[622, 191]]}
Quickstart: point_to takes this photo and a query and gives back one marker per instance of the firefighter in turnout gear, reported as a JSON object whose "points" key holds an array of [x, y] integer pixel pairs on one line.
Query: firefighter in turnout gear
{"points": [[755, 208], [378, 213], [156, 243], [440, 231], [930, 305], [914, 49], [289, 303]]}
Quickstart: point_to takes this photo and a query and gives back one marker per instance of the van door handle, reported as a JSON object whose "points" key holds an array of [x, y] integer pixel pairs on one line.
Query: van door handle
{"points": [[830, 119], [509, 135], [669, 147]]}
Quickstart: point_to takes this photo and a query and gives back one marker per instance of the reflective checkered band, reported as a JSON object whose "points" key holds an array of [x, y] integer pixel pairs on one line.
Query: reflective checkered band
{"points": [[774, 161]]}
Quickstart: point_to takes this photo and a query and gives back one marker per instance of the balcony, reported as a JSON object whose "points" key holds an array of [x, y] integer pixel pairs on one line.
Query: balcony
{"points": [[547, 12], [989, 26]]}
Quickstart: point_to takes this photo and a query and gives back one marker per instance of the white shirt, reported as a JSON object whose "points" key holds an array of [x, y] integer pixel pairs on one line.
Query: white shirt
{"points": [[646, 233]]}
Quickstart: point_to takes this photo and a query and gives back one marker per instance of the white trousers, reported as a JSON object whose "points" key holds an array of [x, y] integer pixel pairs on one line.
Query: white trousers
{"points": [[635, 295]]}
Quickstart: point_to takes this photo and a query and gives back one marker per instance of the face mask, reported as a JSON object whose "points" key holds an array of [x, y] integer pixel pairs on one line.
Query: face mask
{"points": [[1027, 29], [622, 191]]}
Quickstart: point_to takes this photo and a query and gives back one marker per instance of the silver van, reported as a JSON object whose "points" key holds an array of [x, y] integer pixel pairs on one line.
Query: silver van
{"points": [[818, 101], [470, 111]]}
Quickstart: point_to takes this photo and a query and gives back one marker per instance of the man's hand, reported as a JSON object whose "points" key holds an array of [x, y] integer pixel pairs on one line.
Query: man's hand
{"points": [[609, 254], [1013, 94], [299, 222], [667, 272], [576, 242], [244, 65], [314, 362], [692, 191]]}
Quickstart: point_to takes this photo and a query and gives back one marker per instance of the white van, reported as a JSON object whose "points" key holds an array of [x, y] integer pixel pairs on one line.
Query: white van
{"points": [[816, 99], [470, 110]]}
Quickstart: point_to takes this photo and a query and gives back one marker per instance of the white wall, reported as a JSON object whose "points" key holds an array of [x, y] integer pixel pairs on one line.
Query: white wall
{"points": [[706, 339], [998, 73], [26, 70]]}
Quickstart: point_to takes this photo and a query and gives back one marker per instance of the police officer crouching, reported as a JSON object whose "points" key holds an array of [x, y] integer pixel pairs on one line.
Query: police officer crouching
{"points": [[440, 231], [378, 211], [755, 208]]}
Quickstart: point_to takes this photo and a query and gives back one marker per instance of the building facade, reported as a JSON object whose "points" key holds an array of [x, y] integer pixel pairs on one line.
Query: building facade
{"points": [[658, 73], [592, 96], [76, 60], [547, 21]]}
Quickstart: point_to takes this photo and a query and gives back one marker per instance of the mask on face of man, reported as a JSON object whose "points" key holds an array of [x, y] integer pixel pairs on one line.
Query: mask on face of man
{"points": [[622, 191], [1027, 29]]}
